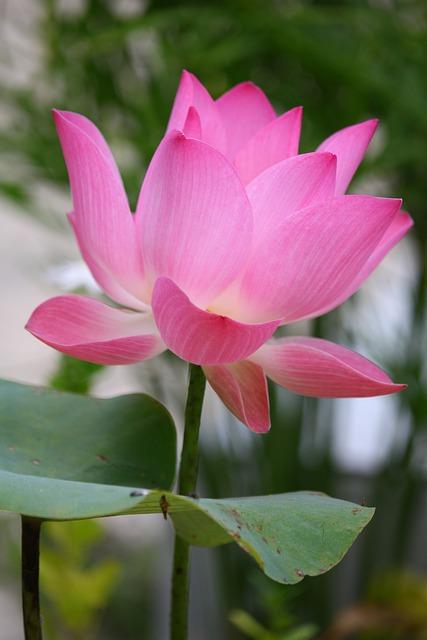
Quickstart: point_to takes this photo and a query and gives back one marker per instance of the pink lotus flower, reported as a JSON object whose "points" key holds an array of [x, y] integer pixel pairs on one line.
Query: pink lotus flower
{"points": [[234, 235]]}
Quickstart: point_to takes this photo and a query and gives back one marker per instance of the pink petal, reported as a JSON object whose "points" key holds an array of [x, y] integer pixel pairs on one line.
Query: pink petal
{"points": [[349, 145], [102, 276], [85, 125], [243, 389], [199, 336], [314, 367], [90, 330], [195, 219], [310, 261], [244, 110], [191, 93], [275, 195], [192, 126], [278, 140], [399, 226], [293, 184], [101, 219]]}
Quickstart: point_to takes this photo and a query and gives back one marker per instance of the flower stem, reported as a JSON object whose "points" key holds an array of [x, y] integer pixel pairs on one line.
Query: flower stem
{"points": [[30, 578], [186, 485]]}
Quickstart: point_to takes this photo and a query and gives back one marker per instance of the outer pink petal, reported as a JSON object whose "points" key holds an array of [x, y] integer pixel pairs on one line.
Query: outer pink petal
{"points": [[199, 336], [90, 330], [101, 219], [102, 276], [244, 110], [243, 389], [191, 93], [85, 125], [278, 140], [314, 367], [349, 145], [195, 219], [399, 226], [312, 259]]}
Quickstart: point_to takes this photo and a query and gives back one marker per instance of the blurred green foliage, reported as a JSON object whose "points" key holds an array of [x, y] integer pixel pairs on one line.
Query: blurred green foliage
{"points": [[394, 609], [402, 597], [279, 623], [76, 587], [74, 375], [118, 62]]}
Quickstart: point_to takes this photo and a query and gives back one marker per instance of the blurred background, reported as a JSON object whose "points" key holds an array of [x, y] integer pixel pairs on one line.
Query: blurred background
{"points": [[118, 62]]}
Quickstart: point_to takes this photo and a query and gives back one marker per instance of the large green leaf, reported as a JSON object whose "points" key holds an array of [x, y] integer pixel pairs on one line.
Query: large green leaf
{"points": [[62, 455], [290, 535], [67, 457]]}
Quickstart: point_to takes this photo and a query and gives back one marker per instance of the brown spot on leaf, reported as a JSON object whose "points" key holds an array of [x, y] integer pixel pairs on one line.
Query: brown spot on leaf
{"points": [[300, 573], [11, 448], [356, 510], [279, 551], [102, 458], [237, 516], [35, 461]]}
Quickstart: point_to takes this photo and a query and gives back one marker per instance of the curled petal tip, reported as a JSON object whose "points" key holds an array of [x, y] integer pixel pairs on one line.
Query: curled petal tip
{"points": [[399, 387], [175, 134], [261, 428], [63, 114], [57, 115], [374, 122]]}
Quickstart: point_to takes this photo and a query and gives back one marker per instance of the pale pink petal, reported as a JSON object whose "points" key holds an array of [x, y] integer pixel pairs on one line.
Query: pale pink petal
{"points": [[102, 276], [191, 93], [293, 184], [192, 126], [199, 336], [275, 195], [311, 260], [90, 130], [243, 389], [278, 140], [90, 330], [315, 367], [349, 145], [194, 217], [244, 110], [101, 217], [399, 226]]}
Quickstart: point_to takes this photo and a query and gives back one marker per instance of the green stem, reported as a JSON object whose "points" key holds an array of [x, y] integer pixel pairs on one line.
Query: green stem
{"points": [[30, 578], [186, 485]]}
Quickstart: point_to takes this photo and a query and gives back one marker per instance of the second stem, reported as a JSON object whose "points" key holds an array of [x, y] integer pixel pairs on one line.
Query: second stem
{"points": [[186, 485]]}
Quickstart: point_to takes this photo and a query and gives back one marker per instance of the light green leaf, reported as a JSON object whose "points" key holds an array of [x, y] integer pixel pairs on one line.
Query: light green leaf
{"points": [[66, 456]]}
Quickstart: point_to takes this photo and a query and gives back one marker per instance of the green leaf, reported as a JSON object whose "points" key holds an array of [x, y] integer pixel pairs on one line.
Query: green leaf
{"points": [[289, 535], [65, 456], [68, 457]]}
